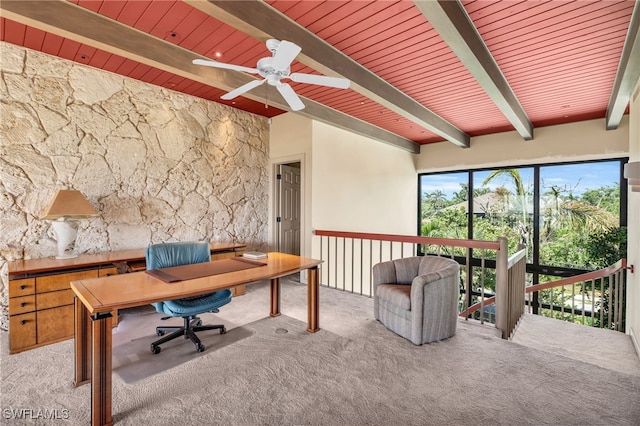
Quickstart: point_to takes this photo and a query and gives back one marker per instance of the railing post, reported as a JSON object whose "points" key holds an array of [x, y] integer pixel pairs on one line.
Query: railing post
{"points": [[502, 288], [468, 282]]}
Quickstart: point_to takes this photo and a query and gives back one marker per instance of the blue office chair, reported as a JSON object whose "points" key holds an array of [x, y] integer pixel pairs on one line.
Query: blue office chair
{"points": [[176, 254]]}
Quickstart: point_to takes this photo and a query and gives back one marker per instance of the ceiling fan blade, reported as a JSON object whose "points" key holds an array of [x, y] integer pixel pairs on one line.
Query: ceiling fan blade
{"points": [[322, 80], [242, 89], [290, 96], [285, 54], [216, 64]]}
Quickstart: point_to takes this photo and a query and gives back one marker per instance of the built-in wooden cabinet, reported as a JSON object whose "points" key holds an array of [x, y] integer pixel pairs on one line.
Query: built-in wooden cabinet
{"points": [[41, 307], [41, 302]]}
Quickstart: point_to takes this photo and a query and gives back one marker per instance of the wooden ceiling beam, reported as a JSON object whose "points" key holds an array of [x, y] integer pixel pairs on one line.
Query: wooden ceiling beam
{"points": [[261, 21], [453, 24], [627, 74], [76, 23]]}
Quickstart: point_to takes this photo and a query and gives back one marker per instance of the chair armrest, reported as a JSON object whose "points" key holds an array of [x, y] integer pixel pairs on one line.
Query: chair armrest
{"points": [[384, 273], [419, 284]]}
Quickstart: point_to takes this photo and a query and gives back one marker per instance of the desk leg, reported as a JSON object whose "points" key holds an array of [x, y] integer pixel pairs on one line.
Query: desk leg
{"points": [[82, 334], [313, 300], [101, 369], [275, 297]]}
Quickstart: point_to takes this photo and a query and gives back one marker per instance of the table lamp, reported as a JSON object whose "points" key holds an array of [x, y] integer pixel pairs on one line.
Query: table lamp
{"points": [[64, 209], [632, 173]]}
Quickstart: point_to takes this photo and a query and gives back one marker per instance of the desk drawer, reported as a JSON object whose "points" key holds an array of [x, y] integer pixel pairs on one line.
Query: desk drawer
{"points": [[54, 299], [55, 324], [22, 287], [20, 305], [62, 281], [22, 331]]}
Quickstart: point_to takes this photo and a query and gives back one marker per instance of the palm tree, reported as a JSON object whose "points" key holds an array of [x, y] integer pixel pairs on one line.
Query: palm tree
{"points": [[577, 215], [520, 201]]}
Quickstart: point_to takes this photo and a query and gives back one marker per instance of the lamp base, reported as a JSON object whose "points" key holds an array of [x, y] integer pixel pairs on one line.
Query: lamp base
{"points": [[65, 231]]}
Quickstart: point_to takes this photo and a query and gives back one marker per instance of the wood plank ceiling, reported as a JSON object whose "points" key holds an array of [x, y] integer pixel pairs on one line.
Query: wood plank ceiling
{"points": [[421, 71]]}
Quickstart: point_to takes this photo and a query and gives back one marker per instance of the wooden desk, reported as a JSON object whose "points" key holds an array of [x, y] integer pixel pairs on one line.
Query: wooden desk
{"points": [[40, 299], [97, 297]]}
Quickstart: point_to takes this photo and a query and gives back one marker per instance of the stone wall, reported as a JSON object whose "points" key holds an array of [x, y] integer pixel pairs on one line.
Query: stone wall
{"points": [[157, 165]]}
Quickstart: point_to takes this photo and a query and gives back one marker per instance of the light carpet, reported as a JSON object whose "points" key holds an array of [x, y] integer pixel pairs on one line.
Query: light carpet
{"points": [[281, 375]]}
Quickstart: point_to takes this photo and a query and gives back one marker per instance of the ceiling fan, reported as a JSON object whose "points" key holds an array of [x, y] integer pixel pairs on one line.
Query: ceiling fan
{"points": [[274, 69]]}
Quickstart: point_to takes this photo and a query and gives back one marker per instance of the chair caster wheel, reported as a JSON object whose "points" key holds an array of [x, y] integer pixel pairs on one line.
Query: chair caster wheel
{"points": [[155, 349], [200, 347], [159, 333], [223, 330]]}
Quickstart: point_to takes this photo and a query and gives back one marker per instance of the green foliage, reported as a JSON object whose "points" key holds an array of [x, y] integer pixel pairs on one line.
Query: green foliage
{"points": [[566, 249], [446, 223], [606, 198], [575, 231], [604, 248]]}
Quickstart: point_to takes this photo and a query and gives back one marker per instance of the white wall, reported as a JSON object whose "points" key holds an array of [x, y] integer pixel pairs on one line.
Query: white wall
{"points": [[633, 220], [586, 140], [350, 182], [292, 137], [362, 185]]}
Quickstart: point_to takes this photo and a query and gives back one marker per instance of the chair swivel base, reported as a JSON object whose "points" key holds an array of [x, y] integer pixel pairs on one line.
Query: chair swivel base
{"points": [[191, 325]]}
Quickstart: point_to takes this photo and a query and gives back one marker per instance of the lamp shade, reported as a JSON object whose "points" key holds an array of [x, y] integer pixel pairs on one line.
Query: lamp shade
{"points": [[68, 203], [632, 173]]}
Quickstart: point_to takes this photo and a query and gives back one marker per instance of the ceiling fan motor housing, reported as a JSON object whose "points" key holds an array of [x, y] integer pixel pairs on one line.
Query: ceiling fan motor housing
{"points": [[268, 72]]}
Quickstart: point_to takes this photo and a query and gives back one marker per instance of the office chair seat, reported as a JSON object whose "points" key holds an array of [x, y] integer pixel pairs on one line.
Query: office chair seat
{"points": [[166, 255], [196, 305]]}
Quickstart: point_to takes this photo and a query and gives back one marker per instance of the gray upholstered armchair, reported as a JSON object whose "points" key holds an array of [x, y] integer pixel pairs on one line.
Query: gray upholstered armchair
{"points": [[417, 297]]}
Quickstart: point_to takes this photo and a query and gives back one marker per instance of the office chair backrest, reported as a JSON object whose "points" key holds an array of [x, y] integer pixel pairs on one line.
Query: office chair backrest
{"points": [[176, 254]]}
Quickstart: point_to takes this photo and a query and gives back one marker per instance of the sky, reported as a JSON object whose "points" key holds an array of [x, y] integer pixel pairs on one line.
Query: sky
{"points": [[576, 177]]}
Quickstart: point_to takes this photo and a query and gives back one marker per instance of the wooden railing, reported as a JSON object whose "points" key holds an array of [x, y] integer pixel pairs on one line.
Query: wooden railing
{"points": [[593, 298], [349, 258], [510, 292]]}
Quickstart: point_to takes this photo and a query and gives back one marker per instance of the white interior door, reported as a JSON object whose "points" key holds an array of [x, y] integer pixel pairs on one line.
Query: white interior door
{"points": [[288, 218]]}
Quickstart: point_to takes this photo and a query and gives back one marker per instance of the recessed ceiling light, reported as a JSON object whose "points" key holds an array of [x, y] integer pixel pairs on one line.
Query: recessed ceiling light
{"points": [[218, 54], [172, 35]]}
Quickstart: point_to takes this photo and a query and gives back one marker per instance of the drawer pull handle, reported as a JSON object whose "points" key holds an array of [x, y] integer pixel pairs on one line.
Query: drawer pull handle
{"points": [[22, 287], [23, 322], [23, 304]]}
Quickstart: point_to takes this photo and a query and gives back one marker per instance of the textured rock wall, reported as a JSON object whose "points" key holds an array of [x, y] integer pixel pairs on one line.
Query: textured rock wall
{"points": [[157, 165]]}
